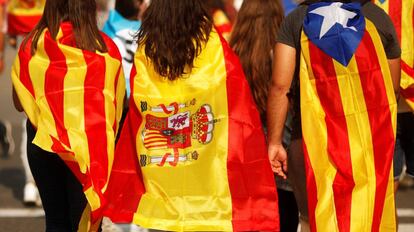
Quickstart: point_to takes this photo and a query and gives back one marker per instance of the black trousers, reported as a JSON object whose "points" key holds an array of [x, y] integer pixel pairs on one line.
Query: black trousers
{"points": [[61, 193]]}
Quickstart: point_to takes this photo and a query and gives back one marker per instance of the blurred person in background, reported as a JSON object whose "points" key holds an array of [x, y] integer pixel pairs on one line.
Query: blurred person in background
{"points": [[122, 25], [401, 13], [6, 138], [22, 16], [253, 40], [67, 78], [221, 20]]}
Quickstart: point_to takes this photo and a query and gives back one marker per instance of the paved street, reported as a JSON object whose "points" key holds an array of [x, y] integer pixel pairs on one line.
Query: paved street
{"points": [[15, 217]]}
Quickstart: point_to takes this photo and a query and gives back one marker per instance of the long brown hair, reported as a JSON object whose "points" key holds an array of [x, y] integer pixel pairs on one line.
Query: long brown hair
{"points": [[80, 13], [253, 38], [173, 33]]}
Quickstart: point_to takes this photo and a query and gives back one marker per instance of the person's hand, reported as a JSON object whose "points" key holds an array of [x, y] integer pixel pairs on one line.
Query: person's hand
{"points": [[278, 159]]}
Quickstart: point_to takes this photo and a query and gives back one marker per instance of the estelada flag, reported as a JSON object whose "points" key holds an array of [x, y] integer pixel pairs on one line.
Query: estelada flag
{"points": [[23, 15], [74, 99], [401, 13], [348, 111], [192, 154], [222, 23]]}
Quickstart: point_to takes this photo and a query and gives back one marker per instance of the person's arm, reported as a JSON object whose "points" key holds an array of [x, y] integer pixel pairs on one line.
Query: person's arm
{"points": [[16, 101], [277, 105], [395, 69]]}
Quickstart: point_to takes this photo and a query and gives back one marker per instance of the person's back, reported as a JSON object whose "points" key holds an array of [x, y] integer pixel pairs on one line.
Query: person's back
{"points": [[66, 78], [193, 129], [345, 94]]}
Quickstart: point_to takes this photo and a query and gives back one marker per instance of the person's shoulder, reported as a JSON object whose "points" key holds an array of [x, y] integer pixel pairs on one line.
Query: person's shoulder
{"points": [[298, 13], [378, 16], [375, 13]]}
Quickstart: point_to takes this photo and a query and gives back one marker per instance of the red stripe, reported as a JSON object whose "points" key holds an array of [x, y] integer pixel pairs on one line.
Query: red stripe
{"points": [[155, 137], [408, 93], [95, 118], [395, 10], [114, 53], [21, 25], [312, 189], [379, 114], [251, 181], [54, 86], [126, 186], [407, 69], [24, 57], [337, 131]]}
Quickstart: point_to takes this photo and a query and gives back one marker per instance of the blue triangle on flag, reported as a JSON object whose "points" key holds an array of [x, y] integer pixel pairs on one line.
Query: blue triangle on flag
{"points": [[336, 28]]}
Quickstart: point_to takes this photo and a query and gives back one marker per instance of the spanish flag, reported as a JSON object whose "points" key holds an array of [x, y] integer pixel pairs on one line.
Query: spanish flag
{"points": [[74, 98], [192, 154], [222, 23], [348, 112], [23, 15], [401, 13]]}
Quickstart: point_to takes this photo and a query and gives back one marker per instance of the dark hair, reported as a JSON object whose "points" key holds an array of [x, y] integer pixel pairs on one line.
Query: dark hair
{"points": [[80, 13], [173, 33], [216, 4], [308, 2], [253, 38], [129, 9]]}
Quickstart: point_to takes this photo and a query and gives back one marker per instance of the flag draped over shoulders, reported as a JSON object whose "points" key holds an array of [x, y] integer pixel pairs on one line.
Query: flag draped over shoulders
{"points": [[401, 13], [23, 15], [193, 150], [348, 112], [74, 99]]}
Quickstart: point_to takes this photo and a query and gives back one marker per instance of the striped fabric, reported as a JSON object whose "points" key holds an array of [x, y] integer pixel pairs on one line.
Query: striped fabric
{"points": [[23, 15], [74, 98], [402, 15], [222, 23], [210, 171], [348, 122]]}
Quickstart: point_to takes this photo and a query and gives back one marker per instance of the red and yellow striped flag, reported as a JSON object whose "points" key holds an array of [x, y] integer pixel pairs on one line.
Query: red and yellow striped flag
{"points": [[192, 154], [222, 23], [23, 15], [74, 98], [401, 13], [349, 123]]}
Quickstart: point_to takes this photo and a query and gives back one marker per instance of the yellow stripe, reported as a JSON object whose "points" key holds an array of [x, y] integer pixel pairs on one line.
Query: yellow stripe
{"points": [[46, 126], [14, 8], [220, 18], [26, 99], [407, 32], [384, 6], [112, 114], [181, 201], [385, 72], [361, 148], [93, 199], [388, 221], [73, 102], [314, 126]]}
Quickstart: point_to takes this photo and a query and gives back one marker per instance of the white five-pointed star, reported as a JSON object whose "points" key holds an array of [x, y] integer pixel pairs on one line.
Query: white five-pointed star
{"points": [[333, 14]]}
